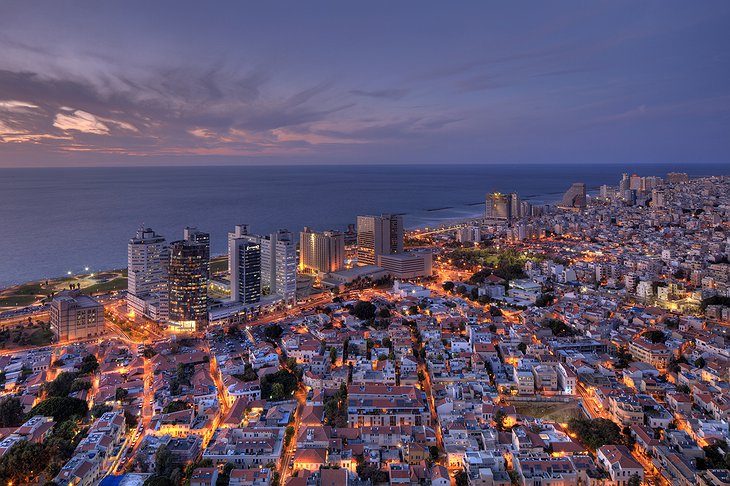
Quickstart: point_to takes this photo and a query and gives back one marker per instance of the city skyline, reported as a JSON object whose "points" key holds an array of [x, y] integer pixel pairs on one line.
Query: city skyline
{"points": [[331, 83]]}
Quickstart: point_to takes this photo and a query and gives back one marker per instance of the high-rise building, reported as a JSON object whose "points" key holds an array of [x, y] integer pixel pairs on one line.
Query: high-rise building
{"points": [[378, 235], [635, 182], [273, 271], [244, 265], [188, 273], [147, 260], [192, 234], [321, 252], [515, 210], [75, 316], [575, 197], [498, 207], [625, 183], [279, 265]]}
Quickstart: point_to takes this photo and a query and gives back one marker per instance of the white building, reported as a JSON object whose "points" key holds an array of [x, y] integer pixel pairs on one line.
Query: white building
{"points": [[147, 260], [321, 252]]}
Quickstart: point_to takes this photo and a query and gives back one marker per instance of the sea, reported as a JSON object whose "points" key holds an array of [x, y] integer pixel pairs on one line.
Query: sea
{"points": [[59, 220]]}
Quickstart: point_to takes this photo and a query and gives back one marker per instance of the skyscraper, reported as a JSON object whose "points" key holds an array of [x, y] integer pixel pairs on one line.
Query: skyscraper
{"points": [[273, 271], [188, 285], [279, 265], [244, 265], [321, 252], [498, 207], [515, 211], [147, 260], [378, 235], [192, 234], [575, 197]]}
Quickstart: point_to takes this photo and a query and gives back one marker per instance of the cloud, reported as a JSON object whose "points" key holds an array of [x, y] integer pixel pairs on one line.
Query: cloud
{"points": [[16, 106], [393, 94], [88, 123]]}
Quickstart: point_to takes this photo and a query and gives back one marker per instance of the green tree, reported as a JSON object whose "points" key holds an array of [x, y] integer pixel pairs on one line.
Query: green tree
{"points": [[11, 412], [277, 392], [60, 408], [100, 409], [89, 365], [120, 394], [364, 310], [61, 386], [176, 406], [163, 461], [22, 463]]}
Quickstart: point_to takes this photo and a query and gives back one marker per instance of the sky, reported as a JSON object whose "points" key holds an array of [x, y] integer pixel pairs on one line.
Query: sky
{"points": [[89, 83]]}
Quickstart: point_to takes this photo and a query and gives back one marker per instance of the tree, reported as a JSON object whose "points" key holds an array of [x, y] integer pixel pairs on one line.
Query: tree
{"points": [[384, 313], [448, 286], [522, 347], [597, 432], [89, 365], [60, 408], [130, 419], [273, 332], [11, 412], [163, 461], [700, 362], [364, 310], [277, 392], [100, 409], [61, 386], [634, 480], [655, 336], [158, 480], [80, 384], [288, 434], [333, 355], [499, 418], [22, 463], [176, 406], [461, 478], [120, 394]]}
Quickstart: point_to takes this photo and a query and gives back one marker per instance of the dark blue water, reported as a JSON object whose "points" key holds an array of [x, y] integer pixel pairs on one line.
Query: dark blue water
{"points": [[58, 220]]}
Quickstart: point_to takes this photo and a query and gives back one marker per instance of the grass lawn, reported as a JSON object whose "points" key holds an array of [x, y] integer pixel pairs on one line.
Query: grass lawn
{"points": [[35, 335], [32, 289], [119, 283], [40, 337], [558, 412], [17, 300]]}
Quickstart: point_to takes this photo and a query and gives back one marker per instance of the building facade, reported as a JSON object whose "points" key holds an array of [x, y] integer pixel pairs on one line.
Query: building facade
{"points": [[188, 285], [378, 235], [76, 316], [321, 252], [147, 260]]}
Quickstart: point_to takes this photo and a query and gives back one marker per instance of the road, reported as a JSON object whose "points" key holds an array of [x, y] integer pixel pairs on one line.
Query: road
{"points": [[301, 397]]}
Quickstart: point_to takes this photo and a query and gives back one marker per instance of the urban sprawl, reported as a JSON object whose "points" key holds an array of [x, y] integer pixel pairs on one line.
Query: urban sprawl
{"points": [[580, 343]]}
